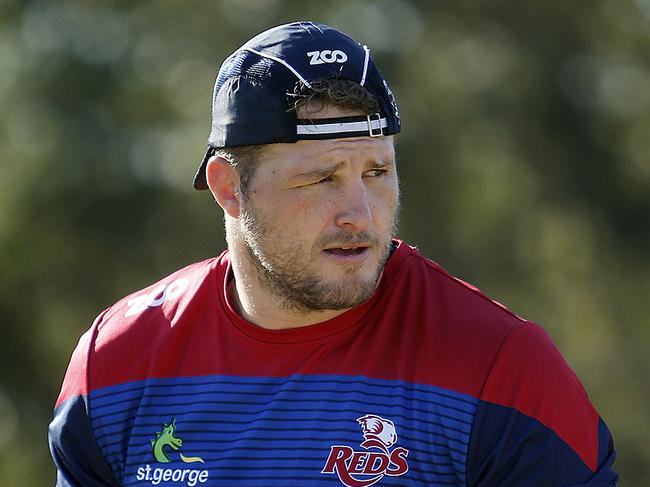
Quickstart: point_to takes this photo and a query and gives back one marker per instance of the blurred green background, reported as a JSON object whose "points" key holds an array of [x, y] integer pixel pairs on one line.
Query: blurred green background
{"points": [[524, 160]]}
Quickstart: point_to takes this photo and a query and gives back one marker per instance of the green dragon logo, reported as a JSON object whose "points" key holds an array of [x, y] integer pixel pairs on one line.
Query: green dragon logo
{"points": [[166, 438]]}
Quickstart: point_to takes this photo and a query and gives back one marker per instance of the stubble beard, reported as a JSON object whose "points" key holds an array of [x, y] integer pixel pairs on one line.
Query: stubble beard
{"points": [[285, 270]]}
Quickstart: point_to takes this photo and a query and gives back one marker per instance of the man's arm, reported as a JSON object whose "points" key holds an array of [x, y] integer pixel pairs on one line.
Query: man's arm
{"points": [[79, 463], [77, 457], [535, 425]]}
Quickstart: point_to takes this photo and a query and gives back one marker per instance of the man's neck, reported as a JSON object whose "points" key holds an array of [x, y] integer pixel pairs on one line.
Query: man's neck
{"points": [[254, 303], [259, 305]]}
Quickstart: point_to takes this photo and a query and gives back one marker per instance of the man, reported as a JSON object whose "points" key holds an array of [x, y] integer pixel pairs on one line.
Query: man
{"points": [[317, 350]]}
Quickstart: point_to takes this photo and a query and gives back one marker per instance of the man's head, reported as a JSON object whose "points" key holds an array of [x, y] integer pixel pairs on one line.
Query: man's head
{"points": [[257, 88], [308, 103], [311, 202]]}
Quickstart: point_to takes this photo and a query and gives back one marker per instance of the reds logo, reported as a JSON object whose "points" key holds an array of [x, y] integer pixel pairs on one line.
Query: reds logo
{"points": [[364, 468]]}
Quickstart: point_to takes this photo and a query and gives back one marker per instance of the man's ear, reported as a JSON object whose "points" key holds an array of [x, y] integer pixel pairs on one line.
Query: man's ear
{"points": [[223, 181]]}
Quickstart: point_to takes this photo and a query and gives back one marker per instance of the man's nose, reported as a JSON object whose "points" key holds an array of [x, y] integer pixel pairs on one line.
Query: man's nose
{"points": [[354, 207]]}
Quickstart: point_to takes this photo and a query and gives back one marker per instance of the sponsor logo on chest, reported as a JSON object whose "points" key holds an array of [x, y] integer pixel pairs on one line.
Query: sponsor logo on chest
{"points": [[166, 443], [368, 466], [377, 457]]}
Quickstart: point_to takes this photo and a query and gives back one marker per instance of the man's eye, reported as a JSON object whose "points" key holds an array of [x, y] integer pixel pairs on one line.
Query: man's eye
{"points": [[376, 172], [326, 179]]}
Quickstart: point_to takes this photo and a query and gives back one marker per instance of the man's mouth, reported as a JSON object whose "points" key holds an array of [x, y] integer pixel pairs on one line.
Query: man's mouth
{"points": [[347, 250]]}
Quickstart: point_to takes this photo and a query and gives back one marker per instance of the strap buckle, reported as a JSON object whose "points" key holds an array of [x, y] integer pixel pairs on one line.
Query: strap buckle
{"points": [[374, 125]]}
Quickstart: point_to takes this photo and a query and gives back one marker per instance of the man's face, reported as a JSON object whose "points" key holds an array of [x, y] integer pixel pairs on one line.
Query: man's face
{"points": [[318, 217]]}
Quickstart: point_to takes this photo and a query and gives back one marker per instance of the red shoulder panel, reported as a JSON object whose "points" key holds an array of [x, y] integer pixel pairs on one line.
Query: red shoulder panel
{"points": [[531, 376], [75, 382]]}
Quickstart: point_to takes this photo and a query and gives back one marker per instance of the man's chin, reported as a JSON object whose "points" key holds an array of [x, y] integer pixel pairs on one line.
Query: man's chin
{"points": [[342, 299], [350, 289]]}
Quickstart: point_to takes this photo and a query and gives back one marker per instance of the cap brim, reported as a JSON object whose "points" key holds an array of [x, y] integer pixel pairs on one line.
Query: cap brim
{"points": [[200, 180]]}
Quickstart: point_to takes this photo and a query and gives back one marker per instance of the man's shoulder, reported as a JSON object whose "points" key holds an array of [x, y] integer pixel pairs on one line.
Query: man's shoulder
{"points": [[494, 351], [161, 300], [456, 329], [125, 338], [459, 301]]}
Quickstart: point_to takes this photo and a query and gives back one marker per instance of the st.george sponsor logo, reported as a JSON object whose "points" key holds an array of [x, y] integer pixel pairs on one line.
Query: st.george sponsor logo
{"points": [[187, 476], [164, 440], [365, 468]]}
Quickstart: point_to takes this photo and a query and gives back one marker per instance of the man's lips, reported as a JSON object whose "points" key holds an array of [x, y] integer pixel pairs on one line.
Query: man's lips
{"points": [[349, 252], [347, 249]]}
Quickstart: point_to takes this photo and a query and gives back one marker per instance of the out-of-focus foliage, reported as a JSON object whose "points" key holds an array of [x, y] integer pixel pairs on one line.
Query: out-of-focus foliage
{"points": [[524, 160]]}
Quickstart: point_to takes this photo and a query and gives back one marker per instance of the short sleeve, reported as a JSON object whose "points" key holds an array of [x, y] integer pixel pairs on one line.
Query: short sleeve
{"points": [[77, 458], [535, 425]]}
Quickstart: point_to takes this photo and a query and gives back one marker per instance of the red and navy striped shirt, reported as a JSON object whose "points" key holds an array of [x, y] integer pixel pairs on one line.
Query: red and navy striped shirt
{"points": [[428, 383]]}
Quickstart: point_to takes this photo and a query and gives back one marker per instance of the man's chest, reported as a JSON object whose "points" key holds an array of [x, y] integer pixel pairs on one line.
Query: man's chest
{"points": [[282, 431]]}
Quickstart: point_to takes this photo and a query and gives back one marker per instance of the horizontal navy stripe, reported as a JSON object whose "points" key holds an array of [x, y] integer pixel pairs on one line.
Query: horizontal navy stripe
{"points": [[321, 444], [412, 396], [438, 444], [422, 456], [437, 478], [442, 463], [440, 448], [237, 382], [242, 407], [240, 387], [314, 466], [311, 436], [263, 398], [226, 429], [283, 480], [244, 475], [169, 390], [213, 422], [444, 466], [228, 408], [286, 414]]}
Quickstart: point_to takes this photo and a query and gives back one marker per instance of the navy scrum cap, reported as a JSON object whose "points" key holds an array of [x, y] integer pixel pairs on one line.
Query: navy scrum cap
{"points": [[252, 93]]}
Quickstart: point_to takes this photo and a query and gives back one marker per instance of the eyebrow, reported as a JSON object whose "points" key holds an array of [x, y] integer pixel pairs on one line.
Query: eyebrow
{"points": [[327, 171], [318, 173]]}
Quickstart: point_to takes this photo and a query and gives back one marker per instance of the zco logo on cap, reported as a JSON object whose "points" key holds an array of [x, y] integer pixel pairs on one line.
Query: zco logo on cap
{"points": [[327, 56], [365, 468]]}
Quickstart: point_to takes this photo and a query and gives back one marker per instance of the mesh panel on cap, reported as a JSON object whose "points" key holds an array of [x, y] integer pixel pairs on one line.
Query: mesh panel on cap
{"points": [[275, 76], [260, 68]]}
